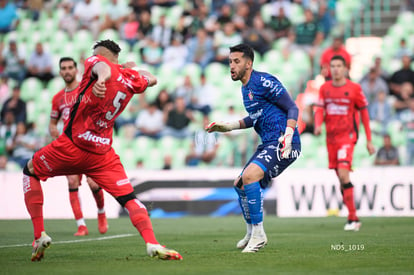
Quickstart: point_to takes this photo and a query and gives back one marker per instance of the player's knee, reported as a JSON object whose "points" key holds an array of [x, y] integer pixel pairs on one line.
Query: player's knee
{"points": [[343, 175], [92, 184], [126, 198], [250, 177], [343, 179], [73, 182], [28, 170]]}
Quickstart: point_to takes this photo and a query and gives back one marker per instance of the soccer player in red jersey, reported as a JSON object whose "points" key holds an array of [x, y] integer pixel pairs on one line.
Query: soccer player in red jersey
{"points": [[85, 146], [341, 101], [61, 104]]}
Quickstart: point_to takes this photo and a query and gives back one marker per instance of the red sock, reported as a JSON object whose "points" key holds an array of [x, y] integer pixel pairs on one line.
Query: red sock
{"points": [[75, 203], [348, 197], [140, 219], [99, 198], [33, 197]]}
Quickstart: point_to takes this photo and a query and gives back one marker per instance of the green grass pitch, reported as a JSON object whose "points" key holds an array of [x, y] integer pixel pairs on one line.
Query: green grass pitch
{"points": [[296, 246]]}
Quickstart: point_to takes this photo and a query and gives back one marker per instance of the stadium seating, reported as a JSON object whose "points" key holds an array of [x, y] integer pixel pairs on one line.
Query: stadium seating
{"points": [[31, 88], [291, 71]]}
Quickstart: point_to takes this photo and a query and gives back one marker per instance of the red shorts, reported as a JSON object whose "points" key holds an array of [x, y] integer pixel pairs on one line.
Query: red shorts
{"points": [[62, 157], [340, 155]]}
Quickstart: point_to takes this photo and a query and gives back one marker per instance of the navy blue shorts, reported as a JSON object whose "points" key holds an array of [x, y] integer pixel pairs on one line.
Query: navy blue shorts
{"points": [[268, 157]]}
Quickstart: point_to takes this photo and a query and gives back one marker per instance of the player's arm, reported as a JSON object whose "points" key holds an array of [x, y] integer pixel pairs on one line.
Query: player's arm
{"points": [[54, 119], [319, 115], [361, 104], [53, 130], [365, 122], [286, 103], [220, 126], [102, 72], [152, 80]]}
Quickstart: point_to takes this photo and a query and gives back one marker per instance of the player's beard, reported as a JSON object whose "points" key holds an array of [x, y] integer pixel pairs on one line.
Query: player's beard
{"points": [[69, 78], [238, 76]]}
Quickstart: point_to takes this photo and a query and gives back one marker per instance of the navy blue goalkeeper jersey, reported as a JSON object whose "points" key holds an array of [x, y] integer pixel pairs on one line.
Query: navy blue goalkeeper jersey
{"points": [[260, 98]]}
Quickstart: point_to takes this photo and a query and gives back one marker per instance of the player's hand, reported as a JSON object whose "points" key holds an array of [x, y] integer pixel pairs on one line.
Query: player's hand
{"points": [[317, 131], [99, 88], [222, 126], [286, 141], [370, 148]]}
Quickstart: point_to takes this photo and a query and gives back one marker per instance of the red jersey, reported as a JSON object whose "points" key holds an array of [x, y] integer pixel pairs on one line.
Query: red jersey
{"points": [[342, 105], [329, 53], [62, 102], [92, 119]]}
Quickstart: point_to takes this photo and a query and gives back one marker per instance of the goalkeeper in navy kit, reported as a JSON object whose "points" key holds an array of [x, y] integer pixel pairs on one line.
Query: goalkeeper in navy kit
{"points": [[273, 114]]}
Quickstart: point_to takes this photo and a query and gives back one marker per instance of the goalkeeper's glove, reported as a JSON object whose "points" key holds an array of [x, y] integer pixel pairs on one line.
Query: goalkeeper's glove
{"points": [[222, 126], [286, 141]]}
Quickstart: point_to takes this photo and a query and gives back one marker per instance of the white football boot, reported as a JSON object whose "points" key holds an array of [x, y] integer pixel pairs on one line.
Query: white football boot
{"points": [[39, 246], [352, 226], [243, 242], [257, 240], [163, 253]]}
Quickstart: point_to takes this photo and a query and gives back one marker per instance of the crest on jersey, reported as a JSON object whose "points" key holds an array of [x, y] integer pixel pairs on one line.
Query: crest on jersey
{"points": [[250, 94]]}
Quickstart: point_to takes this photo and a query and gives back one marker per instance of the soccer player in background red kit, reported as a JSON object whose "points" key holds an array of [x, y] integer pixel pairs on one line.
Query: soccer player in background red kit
{"points": [[62, 102], [340, 103], [85, 146]]}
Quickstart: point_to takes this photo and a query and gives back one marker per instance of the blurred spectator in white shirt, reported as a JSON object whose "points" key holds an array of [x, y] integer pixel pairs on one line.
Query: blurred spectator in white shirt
{"points": [[225, 38], [87, 12], [403, 50], [380, 110], [373, 84], [161, 33], [115, 14], [67, 22], [204, 96], [14, 60], [204, 146], [150, 122], [175, 55], [200, 49], [40, 64]]}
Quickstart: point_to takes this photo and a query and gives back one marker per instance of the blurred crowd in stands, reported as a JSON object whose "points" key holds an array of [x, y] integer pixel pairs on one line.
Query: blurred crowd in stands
{"points": [[200, 33]]}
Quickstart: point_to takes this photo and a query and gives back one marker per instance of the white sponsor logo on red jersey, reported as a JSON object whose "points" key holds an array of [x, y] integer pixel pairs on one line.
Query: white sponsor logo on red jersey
{"points": [[335, 109], [91, 137], [122, 182], [124, 81]]}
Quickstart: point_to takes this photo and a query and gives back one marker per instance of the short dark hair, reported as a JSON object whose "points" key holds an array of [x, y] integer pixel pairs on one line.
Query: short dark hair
{"points": [[245, 49], [66, 58], [109, 44], [339, 57]]}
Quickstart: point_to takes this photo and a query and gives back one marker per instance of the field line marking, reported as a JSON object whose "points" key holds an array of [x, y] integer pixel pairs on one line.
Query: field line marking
{"points": [[75, 241]]}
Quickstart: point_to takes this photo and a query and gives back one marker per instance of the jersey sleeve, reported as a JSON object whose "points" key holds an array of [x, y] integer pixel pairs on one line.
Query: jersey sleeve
{"points": [[90, 62], [54, 113], [360, 99], [138, 82], [273, 89]]}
